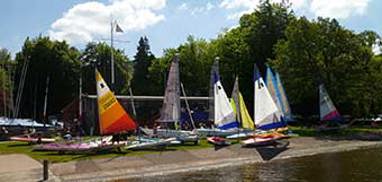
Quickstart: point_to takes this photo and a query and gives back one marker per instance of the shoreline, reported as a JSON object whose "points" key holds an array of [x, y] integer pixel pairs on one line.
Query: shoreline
{"points": [[182, 161]]}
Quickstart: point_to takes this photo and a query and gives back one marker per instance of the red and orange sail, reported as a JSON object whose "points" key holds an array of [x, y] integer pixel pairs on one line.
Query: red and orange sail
{"points": [[112, 117]]}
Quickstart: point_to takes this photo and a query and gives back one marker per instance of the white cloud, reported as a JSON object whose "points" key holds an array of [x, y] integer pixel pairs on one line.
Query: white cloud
{"points": [[194, 10], [326, 8], [87, 20], [339, 8], [183, 6]]}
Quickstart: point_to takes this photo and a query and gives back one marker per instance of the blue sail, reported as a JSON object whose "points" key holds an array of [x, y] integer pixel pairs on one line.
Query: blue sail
{"points": [[285, 107]]}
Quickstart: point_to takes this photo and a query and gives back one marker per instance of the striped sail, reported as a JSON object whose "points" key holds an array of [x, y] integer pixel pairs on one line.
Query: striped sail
{"points": [[171, 104], [223, 112], [240, 110], [265, 108], [112, 117], [285, 107], [328, 111], [274, 91]]}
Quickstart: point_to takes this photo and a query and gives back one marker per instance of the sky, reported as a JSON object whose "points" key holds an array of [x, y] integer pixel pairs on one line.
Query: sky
{"points": [[166, 23]]}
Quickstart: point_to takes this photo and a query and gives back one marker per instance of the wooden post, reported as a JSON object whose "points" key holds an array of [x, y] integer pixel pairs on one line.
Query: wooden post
{"points": [[45, 170]]}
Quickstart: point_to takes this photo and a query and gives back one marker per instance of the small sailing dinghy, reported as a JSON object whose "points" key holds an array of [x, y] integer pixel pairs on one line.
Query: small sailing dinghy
{"points": [[224, 116], [149, 143], [267, 114], [219, 141], [32, 139], [113, 119], [247, 127], [328, 112], [170, 112]]}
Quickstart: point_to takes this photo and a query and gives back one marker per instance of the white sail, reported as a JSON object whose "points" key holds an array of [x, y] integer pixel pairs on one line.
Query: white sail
{"points": [[223, 112], [328, 111], [265, 108]]}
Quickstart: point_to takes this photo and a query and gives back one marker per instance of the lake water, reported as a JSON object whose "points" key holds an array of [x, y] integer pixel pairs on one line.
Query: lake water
{"points": [[358, 165]]}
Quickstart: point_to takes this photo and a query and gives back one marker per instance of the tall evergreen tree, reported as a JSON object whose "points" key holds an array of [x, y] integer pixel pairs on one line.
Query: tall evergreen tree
{"points": [[141, 83]]}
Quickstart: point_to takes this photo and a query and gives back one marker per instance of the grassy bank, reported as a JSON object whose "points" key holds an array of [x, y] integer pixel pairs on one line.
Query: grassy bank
{"points": [[355, 132], [10, 147]]}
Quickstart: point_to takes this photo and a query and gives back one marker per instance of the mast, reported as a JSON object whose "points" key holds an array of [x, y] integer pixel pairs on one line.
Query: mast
{"points": [[4, 93], [111, 55], [80, 97], [188, 106], [132, 102], [20, 88], [46, 100], [215, 69]]}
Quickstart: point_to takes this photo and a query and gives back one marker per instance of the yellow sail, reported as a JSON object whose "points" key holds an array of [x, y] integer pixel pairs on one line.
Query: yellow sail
{"points": [[245, 118], [112, 117]]}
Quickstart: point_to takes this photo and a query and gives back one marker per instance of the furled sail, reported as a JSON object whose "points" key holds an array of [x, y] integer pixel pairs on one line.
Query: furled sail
{"points": [[112, 117], [171, 104], [214, 69]]}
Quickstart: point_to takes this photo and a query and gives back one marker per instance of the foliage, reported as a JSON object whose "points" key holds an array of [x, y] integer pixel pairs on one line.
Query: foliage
{"points": [[195, 62], [263, 28], [6, 69], [324, 52], [142, 82], [46, 58], [100, 53]]}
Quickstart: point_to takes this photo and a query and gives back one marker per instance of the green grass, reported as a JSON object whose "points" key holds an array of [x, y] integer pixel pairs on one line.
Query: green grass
{"points": [[312, 132], [10, 147]]}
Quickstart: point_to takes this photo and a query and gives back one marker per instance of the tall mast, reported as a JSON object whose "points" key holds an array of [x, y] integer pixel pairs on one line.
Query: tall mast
{"points": [[46, 100], [111, 54]]}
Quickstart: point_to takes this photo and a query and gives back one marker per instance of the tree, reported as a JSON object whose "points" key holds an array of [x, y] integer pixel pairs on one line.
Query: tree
{"points": [[100, 53], [196, 57], [46, 59], [263, 29], [6, 68], [141, 82], [324, 52]]}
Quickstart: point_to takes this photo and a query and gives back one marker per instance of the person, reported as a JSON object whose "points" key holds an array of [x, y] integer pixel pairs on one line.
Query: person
{"points": [[39, 140], [116, 138]]}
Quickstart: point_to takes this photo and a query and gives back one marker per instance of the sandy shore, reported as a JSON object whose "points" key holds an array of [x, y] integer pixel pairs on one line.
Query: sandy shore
{"points": [[179, 161]]}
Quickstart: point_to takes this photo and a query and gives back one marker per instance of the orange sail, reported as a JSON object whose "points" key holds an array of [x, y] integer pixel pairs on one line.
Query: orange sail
{"points": [[112, 117]]}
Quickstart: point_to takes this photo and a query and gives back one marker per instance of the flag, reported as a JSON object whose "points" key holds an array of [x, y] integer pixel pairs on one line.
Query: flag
{"points": [[118, 28]]}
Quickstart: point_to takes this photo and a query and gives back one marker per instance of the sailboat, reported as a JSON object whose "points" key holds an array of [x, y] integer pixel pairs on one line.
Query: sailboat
{"points": [[328, 112], [170, 112], [285, 107], [113, 119], [278, 94], [267, 114], [224, 116], [243, 117]]}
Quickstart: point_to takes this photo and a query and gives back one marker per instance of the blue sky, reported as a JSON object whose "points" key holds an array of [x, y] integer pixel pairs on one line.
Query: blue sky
{"points": [[166, 23]]}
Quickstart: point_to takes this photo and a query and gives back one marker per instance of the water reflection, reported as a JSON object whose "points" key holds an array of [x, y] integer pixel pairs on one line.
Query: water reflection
{"points": [[360, 165]]}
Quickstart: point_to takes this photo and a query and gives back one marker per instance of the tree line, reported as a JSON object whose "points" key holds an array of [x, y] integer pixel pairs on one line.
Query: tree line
{"points": [[305, 52]]}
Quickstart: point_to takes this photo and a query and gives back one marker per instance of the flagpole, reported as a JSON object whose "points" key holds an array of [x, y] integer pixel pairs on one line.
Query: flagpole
{"points": [[111, 55]]}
